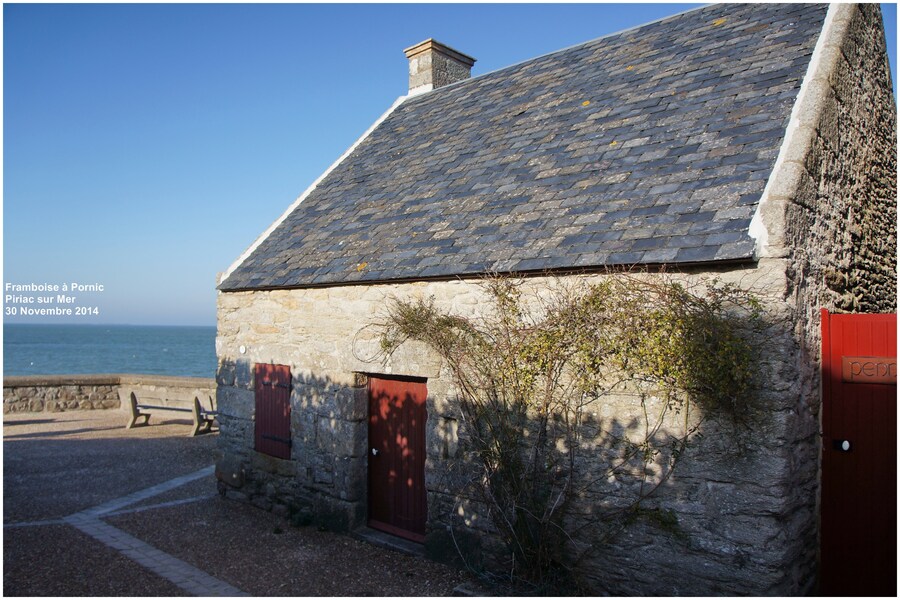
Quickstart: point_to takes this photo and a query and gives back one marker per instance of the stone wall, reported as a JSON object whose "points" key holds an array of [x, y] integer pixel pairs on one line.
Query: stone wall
{"points": [[846, 209], [837, 206], [58, 393], [735, 520], [850, 184], [834, 208]]}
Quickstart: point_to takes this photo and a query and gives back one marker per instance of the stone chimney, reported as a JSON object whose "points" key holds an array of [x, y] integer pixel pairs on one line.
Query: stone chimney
{"points": [[433, 65]]}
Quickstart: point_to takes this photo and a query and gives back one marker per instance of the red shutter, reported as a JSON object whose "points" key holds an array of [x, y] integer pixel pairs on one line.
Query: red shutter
{"points": [[273, 410]]}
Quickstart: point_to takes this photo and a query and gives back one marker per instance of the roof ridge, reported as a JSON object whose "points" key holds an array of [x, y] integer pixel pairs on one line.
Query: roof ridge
{"points": [[567, 49]]}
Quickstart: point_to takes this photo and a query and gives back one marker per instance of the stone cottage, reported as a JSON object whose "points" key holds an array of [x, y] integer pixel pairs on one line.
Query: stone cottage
{"points": [[753, 142]]}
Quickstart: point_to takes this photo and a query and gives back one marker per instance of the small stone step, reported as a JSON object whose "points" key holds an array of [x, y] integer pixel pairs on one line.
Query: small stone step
{"points": [[391, 542]]}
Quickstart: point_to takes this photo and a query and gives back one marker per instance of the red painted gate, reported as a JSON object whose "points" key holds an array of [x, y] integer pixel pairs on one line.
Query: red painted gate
{"points": [[859, 455], [397, 498], [272, 427]]}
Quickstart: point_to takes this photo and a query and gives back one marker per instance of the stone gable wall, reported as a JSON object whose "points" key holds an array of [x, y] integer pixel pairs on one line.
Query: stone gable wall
{"points": [[841, 222], [835, 211]]}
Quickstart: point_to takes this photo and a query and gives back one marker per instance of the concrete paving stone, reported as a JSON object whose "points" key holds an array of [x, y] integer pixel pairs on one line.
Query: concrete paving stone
{"points": [[119, 544], [137, 555]]}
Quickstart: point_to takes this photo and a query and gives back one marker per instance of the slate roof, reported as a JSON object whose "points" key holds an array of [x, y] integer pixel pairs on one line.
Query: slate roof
{"points": [[651, 146]]}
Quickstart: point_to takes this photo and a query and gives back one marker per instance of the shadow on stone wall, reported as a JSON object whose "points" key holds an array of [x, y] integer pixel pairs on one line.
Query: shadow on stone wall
{"points": [[718, 518]]}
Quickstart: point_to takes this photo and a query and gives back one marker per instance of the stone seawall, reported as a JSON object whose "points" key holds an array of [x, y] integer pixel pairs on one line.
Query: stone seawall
{"points": [[58, 393]]}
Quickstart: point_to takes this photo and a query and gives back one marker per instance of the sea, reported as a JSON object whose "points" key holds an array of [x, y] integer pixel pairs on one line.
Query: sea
{"points": [[84, 349]]}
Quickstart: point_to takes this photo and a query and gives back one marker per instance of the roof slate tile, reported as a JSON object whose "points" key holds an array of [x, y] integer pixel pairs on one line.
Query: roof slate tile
{"points": [[509, 171]]}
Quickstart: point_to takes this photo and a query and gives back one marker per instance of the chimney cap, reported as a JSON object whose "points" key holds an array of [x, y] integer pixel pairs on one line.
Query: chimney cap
{"points": [[436, 46]]}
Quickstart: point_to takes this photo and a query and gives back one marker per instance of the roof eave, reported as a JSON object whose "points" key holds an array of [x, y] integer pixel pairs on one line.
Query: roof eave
{"points": [[706, 266]]}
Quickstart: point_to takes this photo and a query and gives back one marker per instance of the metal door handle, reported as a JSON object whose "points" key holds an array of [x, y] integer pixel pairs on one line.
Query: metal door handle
{"points": [[842, 445], [374, 451]]}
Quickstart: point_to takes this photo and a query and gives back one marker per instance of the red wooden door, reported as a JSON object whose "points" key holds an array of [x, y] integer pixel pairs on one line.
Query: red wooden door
{"points": [[272, 427], [859, 455], [397, 498]]}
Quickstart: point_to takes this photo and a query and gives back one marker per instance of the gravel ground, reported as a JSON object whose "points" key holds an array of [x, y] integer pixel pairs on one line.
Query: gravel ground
{"points": [[58, 560], [53, 462], [262, 554], [60, 463]]}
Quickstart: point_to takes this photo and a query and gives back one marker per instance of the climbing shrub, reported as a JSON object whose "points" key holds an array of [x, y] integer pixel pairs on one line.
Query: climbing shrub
{"points": [[533, 369]]}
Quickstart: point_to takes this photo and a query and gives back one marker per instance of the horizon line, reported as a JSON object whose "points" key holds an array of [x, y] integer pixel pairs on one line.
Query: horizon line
{"points": [[5, 323]]}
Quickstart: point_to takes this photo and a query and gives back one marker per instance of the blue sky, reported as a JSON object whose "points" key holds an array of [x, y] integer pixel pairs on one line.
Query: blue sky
{"points": [[146, 146]]}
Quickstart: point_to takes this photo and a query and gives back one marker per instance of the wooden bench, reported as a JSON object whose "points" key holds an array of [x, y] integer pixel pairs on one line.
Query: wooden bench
{"points": [[203, 419]]}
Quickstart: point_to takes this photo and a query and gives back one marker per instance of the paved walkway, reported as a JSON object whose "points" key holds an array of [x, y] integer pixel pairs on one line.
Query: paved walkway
{"points": [[93, 509], [191, 579], [90, 520]]}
